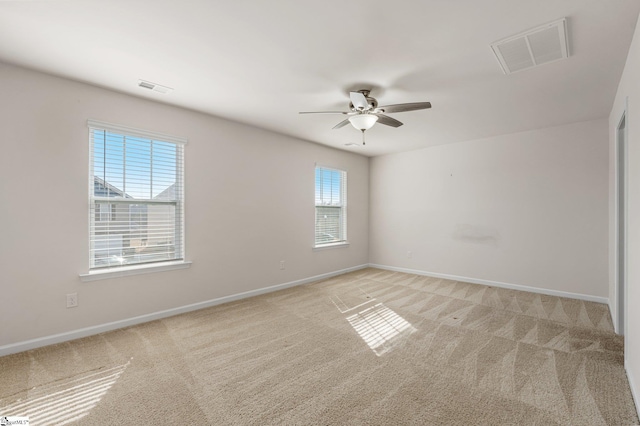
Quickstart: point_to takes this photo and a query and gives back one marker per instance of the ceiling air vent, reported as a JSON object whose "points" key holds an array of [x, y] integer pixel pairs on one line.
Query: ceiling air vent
{"points": [[153, 86], [541, 45]]}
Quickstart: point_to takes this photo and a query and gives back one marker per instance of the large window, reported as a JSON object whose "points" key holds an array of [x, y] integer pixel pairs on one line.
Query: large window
{"points": [[136, 197], [331, 206]]}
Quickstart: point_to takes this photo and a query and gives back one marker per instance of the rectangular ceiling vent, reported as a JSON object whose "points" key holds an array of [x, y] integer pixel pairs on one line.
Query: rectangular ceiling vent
{"points": [[153, 86], [541, 45]]}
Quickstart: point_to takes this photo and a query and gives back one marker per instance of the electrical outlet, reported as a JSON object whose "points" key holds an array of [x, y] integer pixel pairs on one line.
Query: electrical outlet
{"points": [[409, 254], [282, 264], [72, 300]]}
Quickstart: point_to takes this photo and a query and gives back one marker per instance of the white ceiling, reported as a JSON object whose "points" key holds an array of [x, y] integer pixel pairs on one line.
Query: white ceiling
{"points": [[260, 62]]}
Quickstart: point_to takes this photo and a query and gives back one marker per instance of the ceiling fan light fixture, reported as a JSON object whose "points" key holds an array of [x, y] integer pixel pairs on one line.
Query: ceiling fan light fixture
{"points": [[363, 121]]}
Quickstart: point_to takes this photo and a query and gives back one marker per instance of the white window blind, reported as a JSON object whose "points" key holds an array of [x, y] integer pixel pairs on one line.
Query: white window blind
{"points": [[331, 206], [136, 196]]}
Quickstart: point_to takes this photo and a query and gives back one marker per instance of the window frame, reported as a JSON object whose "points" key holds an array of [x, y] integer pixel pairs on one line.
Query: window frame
{"points": [[342, 241], [177, 261]]}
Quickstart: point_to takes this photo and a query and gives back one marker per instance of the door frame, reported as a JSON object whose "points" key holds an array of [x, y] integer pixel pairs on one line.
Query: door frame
{"points": [[621, 221]]}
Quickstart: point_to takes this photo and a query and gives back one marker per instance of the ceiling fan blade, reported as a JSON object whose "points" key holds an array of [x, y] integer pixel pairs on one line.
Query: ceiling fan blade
{"points": [[404, 107], [388, 121], [323, 112], [341, 124], [359, 101]]}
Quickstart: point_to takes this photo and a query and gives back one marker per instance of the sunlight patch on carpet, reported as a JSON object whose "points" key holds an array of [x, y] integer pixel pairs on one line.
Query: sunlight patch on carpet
{"points": [[65, 401], [380, 327]]}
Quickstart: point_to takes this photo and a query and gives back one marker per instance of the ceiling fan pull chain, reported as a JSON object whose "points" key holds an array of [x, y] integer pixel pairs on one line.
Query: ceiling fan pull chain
{"points": [[363, 137]]}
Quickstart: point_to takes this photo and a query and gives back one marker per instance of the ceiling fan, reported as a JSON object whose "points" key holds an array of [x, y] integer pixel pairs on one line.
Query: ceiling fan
{"points": [[365, 112]]}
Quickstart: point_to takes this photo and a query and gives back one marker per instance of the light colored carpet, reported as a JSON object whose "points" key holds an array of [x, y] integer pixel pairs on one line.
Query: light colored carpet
{"points": [[370, 347]]}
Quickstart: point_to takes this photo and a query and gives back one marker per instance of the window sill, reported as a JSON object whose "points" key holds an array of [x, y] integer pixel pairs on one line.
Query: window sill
{"points": [[103, 274], [341, 244]]}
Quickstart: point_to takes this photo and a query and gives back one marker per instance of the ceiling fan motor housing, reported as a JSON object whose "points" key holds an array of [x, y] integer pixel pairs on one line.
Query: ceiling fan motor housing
{"points": [[373, 104]]}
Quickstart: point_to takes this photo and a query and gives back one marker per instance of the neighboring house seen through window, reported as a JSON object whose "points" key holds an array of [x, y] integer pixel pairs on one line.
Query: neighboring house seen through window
{"points": [[331, 206], [136, 197]]}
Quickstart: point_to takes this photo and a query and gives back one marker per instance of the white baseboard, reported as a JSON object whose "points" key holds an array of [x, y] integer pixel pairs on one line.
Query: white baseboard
{"points": [[635, 391], [97, 329], [549, 292]]}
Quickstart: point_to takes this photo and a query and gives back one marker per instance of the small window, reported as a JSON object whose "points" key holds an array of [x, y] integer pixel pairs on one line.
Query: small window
{"points": [[104, 212], [331, 206], [136, 197]]}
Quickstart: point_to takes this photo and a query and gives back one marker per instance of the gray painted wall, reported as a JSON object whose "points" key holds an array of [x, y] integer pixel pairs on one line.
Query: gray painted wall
{"points": [[526, 209], [249, 205]]}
